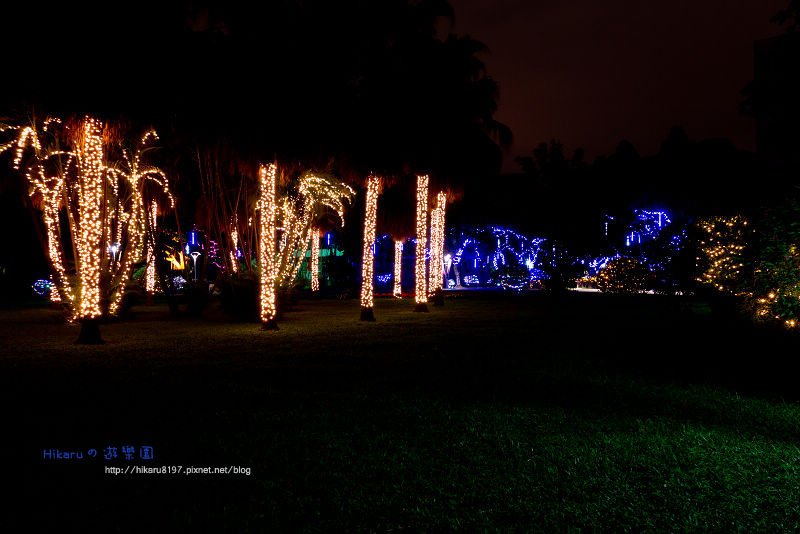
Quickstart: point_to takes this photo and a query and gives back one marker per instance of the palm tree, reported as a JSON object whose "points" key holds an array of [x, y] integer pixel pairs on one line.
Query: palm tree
{"points": [[368, 242], [76, 168]]}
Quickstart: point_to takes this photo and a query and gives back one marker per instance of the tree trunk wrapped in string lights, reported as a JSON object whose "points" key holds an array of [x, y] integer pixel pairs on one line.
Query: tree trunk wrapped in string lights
{"points": [[90, 188], [435, 260], [99, 187], [398, 269], [367, 256], [266, 245], [435, 277], [150, 270], [314, 262], [421, 290]]}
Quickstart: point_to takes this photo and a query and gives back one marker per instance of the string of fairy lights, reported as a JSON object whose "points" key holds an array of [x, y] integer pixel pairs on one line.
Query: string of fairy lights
{"points": [[435, 251], [233, 253], [102, 201], [367, 257], [435, 276], [316, 196], [721, 245], [128, 214], [315, 260], [101, 193], [398, 269], [90, 200], [150, 272], [421, 292], [266, 243]]}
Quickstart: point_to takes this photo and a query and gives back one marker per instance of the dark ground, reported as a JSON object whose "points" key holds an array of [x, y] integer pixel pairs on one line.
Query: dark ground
{"points": [[495, 411]]}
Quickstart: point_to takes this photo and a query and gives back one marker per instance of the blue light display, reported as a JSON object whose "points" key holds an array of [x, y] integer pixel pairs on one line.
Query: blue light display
{"points": [[651, 238], [42, 287], [495, 255], [646, 226]]}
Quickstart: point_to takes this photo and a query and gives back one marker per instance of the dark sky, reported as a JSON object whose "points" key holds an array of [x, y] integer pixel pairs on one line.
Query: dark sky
{"points": [[591, 72]]}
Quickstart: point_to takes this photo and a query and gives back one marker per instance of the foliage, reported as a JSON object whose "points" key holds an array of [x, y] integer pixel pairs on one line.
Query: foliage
{"points": [[624, 275], [724, 252], [776, 294]]}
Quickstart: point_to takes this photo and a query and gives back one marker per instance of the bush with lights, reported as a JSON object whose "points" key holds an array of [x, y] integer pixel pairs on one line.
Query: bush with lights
{"points": [[724, 252], [623, 275], [775, 295]]}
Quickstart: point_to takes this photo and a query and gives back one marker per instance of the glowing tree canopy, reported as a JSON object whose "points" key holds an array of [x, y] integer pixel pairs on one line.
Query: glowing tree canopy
{"points": [[80, 175], [367, 256], [315, 196], [421, 289]]}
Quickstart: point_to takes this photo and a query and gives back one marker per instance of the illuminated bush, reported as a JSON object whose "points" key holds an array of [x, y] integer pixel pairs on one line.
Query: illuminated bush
{"points": [[723, 249], [623, 275], [776, 277]]}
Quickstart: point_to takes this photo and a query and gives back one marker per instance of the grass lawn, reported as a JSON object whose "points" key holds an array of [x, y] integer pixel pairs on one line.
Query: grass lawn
{"points": [[495, 411]]}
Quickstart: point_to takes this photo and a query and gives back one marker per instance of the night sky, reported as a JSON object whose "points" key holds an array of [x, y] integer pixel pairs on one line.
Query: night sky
{"points": [[592, 73]]}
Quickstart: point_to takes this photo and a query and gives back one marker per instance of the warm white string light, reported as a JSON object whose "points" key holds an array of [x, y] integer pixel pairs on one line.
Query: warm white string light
{"points": [[55, 298], [367, 256], [421, 294], [437, 246], [434, 250], [234, 258], [398, 269], [150, 272], [104, 209], [266, 244], [314, 260], [316, 195], [90, 227], [129, 212]]}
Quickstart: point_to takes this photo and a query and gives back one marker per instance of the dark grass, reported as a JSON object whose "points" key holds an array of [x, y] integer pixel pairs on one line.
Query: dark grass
{"points": [[492, 412]]}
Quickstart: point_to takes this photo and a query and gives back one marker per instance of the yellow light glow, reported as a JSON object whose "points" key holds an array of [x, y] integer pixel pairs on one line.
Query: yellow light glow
{"points": [[54, 296], [102, 202], [367, 257], [266, 243], [234, 259], [435, 269], [441, 202], [421, 293], [398, 269], [90, 212], [722, 243], [178, 263], [150, 273], [316, 196], [315, 259], [434, 256]]}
